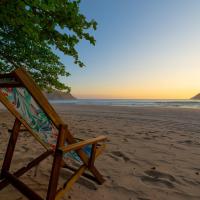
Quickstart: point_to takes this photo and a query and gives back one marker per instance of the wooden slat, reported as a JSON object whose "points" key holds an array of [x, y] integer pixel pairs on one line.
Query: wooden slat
{"points": [[93, 153], [99, 178], [83, 143], [11, 147], [70, 182], [29, 193], [86, 175], [7, 75], [21, 130], [29, 166], [58, 157], [34, 90], [99, 150], [10, 84]]}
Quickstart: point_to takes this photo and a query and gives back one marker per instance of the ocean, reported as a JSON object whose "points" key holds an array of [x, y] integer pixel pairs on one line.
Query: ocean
{"points": [[174, 103]]}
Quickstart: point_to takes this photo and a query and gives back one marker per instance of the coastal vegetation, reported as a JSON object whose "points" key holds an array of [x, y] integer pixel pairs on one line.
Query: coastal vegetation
{"points": [[31, 31]]}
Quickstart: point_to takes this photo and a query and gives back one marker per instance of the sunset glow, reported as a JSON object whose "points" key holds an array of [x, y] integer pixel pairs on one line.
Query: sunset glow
{"points": [[150, 50]]}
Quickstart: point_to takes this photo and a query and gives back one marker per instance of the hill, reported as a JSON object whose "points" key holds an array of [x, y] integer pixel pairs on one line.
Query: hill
{"points": [[58, 95], [196, 97]]}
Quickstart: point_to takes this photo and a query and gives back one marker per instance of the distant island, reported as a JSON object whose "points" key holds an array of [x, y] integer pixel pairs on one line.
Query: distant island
{"points": [[196, 97], [58, 95]]}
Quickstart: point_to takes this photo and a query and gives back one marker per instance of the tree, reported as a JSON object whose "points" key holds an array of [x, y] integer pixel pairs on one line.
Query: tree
{"points": [[30, 29]]}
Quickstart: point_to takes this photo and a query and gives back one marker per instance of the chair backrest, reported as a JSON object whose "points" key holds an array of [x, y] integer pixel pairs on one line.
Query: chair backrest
{"points": [[20, 94]]}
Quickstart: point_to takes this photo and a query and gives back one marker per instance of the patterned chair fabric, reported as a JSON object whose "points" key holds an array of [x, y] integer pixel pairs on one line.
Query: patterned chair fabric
{"points": [[39, 122]]}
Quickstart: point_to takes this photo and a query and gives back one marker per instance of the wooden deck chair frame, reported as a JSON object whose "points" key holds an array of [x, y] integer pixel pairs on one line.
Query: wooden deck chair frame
{"points": [[23, 79]]}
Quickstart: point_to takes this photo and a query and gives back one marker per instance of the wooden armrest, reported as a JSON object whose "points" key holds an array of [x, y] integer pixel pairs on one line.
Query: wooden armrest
{"points": [[83, 143]]}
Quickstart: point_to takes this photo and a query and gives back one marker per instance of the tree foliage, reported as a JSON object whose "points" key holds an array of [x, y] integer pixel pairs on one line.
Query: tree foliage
{"points": [[30, 29]]}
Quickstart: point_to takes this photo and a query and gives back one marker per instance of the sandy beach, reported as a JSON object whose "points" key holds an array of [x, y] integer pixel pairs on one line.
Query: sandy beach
{"points": [[151, 154]]}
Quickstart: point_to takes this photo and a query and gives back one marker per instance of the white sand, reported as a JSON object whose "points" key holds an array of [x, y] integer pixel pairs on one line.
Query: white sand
{"points": [[152, 153]]}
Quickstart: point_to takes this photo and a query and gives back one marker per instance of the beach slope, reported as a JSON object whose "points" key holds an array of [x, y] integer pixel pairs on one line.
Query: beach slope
{"points": [[152, 153]]}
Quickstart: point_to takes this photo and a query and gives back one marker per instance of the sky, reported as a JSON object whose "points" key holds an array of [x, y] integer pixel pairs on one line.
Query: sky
{"points": [[145, 49]]}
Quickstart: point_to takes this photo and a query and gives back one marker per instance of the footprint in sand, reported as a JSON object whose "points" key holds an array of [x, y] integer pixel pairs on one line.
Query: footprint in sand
{"points": [[4, 125], [154, 177], [121, 155]]}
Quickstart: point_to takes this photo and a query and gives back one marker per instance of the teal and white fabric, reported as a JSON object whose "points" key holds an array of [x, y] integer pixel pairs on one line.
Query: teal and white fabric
{"points": [[31, 112]]}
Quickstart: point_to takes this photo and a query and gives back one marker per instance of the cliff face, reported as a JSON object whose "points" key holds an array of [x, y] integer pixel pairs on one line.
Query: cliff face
{"points": [[196, 97], [58, 95]]}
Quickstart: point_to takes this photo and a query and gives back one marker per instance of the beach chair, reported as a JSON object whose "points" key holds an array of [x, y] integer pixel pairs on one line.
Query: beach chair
{"points": [[23, 98]]}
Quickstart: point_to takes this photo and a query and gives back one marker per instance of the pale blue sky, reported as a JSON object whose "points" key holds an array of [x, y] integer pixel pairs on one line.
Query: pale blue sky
{"points": [[144, 49]]}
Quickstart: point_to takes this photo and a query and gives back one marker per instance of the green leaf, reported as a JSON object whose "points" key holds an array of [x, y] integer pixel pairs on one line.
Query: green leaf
{"points": [[29, 30]]}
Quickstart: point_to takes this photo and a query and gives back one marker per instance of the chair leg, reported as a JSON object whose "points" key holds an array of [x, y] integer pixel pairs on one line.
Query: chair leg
{"points": [[71, 181], [53, 182], [97, 175], [99, 178], [10, 148], [91, 166], [57, 163]]}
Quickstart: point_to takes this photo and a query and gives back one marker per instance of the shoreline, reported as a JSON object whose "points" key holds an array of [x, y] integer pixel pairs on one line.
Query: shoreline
{"points": [[157, 103], [70, 104], [58, 107]]}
